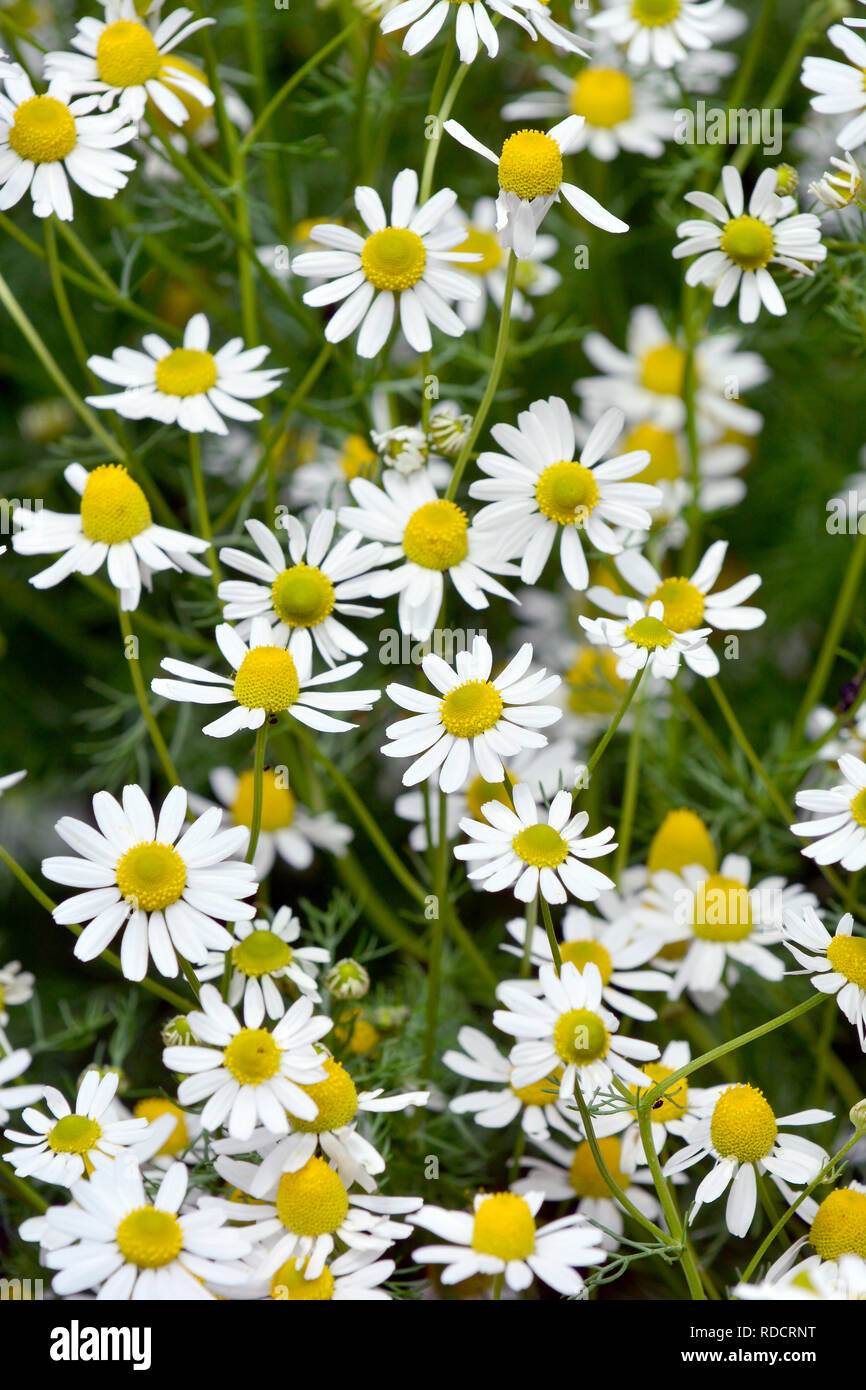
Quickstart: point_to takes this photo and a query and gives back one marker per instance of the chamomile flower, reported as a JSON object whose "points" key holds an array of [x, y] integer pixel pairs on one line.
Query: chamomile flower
{"points": [[473, 25], [289, 831], [267, 681], [46, 140], [837, 1225], [741, 1133], [114, 527], [500, 1237], [124, 1246], [530, 851], [642, 638], [838, 190], [840, 85], [300, 600], [169, 891], [839, 834], [529, 169], [266, 954], [813, 1278], [567, 1027], [664, 32], [353, 1277], [734, 250], [569, 1172], [404, 264], [16, 987], [13, 1065], [541, 489], [122, 59], [248, 1075], [431, 537], [538, 1104], [474, 721], [188, 386], [836, 964], [533, 277]]}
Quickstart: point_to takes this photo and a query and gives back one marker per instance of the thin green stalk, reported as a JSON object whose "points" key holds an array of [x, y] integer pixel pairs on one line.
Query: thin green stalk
{"points": [[629, 794], [61, 298], [821, 670], [440, 109], [751, 756], [276, 101], [609, 732], [17, 1187], [669, 1203], [201, 507], [434, 949], [551, 934], [492, 381], [130, 651], [258, 788], [616, 1191], [531, 917]]}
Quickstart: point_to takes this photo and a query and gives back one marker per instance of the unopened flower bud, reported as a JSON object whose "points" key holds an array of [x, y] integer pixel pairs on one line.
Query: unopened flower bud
{"points": [[347, 979]]}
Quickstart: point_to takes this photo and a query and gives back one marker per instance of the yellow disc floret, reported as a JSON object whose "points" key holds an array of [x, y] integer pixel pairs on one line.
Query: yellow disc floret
{"points": [[683, 604], [356, 456], [186, 372], [650, 633], [278, 802], [151, 875], [152, 1108], [43, 130], [541, 846], [663, 369], [303, 596], [723, 910], [585, 1175], [197, 112], [858, 807], [313, 1201], [655, 12], [74, 1134], [483, 244], [336, 1098], [672, 1105], [602, 96], [743, 1125], [748, 242], [267, 679], [593, 685], [149, 1238], [582, 953], [393, 259], [665, 464], [261, 953], [681, 839], [530, 165], [113, 506], [839, 1225], [479, 792], [252, 1056], [291, 1285], [540, 1093], [580, 1037], [567, 493], [435, 535], [504, 1227], [471, 708], [847, 955], [126, 55]]}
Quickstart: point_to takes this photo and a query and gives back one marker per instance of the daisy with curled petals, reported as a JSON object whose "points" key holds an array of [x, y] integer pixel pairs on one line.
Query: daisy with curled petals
{"points": [[474, 721], [123, 1246], [542, 488], [529, 169], [642, 639], [431, 537], [500, 1237], [249, 1075], [836, 964], [404, 264], [265, 954], [840, 86], [46, 140], [664, 32], [840, 832], [268, 681], [538, 1105], [570, 1171], [114, 526], [473, 25], [735, 249], [169, 891], [344, 1280], [740, 1132], [13, 1065], [300, 600], [567, 1027], [122, 58], [188, 386], [288, 830]]}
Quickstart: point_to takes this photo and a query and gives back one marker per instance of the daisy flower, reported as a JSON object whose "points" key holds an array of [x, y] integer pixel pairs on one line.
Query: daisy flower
{"points": [[13, 1065], [288, 830], [836, 964], [16, 987], [741, 1133], [167, 893], [264, 955], [405, 263], [249, 1075], [186, 386], [300, 600], [538, 1104], [840, 85], [840, 833], [837, 1226], [500, 1237], [541, 488], [518, 849], [122, 59], [642, 639], [533, 277], [529, 170], [342, 1281], [267, 681], [838, 190], [125, 1247], [735, 249], [46, 140], [473, 722], [473, 25], [664, 32], [114, 526], [567, 1027], [572, 1172], [431, 537], [812, 1278]]}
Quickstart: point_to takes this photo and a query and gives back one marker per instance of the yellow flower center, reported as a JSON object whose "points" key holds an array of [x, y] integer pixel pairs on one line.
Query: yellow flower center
{"points": [[336, 1098], [303, 596], [471, 708], [186, 372], [530, 164], [594, 687], [541, 846], [672, 1105], [74, 1134], [363, 1037], [743, 1124], [393, 259], [504, 1227], [847, 955], [602, 96], [313, 1201], [267, 679], [261, 953], [149, 1238], [858, 807], [649, 633], [152, 1108], [197, 113], [43, 130], [723, 911], [748, 242], [652, 13], [582, 953], [113, 506], [435, 535], [839, 1226], [252, 1056], [480, 792], [665, 463], [567, 493], [585, 1175], [663, 369], [681, 839], [683, 604], [541, 1093], [290, 1285], [483, 244], [278, 802], [126, 55], [356, 456], [580, 1036], [151, 875]]}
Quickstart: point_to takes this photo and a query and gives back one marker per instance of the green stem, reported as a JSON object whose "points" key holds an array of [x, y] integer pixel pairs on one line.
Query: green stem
{"points": [[17, 1187], [202, 508], [827, 655], [669, 1203], [258, 787], [434, 972], [629, 794], [751, 756], [61, 299], [294, 81], [551, 934], [617, 1192], [440, 110], [614, 724], [130, 651]]}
